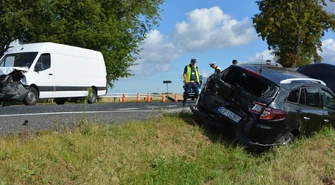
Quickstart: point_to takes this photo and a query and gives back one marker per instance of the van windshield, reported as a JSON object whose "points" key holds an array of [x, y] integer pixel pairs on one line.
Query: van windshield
{"points": [[18, 59]]}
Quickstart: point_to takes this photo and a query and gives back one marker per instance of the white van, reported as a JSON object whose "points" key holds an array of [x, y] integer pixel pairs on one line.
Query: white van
{"points": [[30, 72]]}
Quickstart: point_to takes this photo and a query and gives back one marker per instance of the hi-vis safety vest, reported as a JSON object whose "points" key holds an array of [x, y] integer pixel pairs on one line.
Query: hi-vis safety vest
{"points": [[217, 69], [188, 73]]}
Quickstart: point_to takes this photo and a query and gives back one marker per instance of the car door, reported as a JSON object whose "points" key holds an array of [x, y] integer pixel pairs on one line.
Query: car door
{"points": [[311, 111], [42, 76], [328, 105]]}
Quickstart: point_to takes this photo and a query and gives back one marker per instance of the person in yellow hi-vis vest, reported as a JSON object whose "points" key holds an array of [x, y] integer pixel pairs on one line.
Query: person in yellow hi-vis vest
{"points": [[191, 79], [216, 68]]}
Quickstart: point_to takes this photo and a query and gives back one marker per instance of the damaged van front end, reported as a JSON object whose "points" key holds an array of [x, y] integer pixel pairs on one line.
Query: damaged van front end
{"points": [[11, 86]]}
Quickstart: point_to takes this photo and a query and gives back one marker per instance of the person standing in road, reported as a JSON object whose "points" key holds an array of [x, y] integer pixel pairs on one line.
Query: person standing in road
{"points": [[191, 79], [216, 68], [234, 62]]}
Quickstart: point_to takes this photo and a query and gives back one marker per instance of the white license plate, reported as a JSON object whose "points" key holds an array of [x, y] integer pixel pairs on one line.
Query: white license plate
{"points": [[229, 114]]}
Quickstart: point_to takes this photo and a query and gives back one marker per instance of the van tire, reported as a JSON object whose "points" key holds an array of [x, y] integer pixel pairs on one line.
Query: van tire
{"points": [[93, 97], [60, 101], [31, 97]]}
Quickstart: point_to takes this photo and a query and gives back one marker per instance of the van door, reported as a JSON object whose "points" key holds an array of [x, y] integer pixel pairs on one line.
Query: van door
{"points": [[42, 76]]}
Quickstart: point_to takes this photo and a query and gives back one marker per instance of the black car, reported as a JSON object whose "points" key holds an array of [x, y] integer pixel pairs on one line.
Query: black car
{"points": [[322, 71], [266, 105]]}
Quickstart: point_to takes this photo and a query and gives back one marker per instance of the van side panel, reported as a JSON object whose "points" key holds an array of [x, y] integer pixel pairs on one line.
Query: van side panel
{"points": [[91, 70], [64, 75]]}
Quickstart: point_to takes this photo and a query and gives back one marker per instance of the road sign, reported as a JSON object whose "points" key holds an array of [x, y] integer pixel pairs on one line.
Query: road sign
{"points": [[167, 82]]}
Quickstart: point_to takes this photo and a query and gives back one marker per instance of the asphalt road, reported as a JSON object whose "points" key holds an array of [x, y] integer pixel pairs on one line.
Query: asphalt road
{"points": [[31, 119]]}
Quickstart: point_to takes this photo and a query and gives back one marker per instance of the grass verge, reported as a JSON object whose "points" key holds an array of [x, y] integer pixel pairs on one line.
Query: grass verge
{"points": [[171, 149]]}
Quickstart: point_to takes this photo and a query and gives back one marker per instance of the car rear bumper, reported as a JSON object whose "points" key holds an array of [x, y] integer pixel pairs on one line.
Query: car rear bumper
{"points": [[241, 136]]}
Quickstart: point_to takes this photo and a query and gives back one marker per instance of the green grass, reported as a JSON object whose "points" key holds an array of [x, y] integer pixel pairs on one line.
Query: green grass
{"points": [[171, 149]]}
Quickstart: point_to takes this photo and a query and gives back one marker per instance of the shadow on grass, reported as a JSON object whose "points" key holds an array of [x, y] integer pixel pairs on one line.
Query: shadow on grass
{"points": [[220, 133], [216, 133]]}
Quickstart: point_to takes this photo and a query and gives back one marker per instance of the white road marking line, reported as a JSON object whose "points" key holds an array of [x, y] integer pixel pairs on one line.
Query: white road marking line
{"points": [[86, 112], [129, 109]]}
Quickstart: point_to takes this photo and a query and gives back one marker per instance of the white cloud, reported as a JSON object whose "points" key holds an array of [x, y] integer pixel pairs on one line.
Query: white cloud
{"points": [[328, 53], [330, 7], [262, 56], [207, 29], [156, 56], [204, 29], [206, 73], [328, 48]]}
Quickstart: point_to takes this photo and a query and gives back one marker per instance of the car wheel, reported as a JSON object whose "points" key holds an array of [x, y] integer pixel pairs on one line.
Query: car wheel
{"points": [[286, 139], [93, 97], [31, 97], [60, 101]]}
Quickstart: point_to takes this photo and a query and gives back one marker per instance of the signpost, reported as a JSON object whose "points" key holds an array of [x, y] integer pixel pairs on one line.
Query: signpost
{"points": [[167, 82]]}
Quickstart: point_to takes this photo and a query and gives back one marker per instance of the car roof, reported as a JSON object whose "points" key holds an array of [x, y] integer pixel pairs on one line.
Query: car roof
{"points": [[318, 67], [277, 74], [261, 63]]}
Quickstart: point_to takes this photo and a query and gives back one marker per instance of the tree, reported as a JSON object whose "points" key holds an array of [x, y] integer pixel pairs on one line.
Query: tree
{"points": [[117, 28], [293, 29]]}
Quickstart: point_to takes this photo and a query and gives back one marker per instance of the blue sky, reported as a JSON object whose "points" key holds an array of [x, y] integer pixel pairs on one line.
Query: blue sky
{"points": [[212, 30]]}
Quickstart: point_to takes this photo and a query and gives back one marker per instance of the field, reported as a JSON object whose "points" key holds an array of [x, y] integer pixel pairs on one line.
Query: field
{"points": [[172, 149], [154, 97]]}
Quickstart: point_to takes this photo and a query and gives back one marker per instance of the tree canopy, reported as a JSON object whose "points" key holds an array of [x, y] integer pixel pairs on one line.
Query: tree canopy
{"points": [[293, 29], [115, 27]]}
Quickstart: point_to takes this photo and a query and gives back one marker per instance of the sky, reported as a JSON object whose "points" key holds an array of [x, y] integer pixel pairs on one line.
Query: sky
{"points": [[210, 31]]}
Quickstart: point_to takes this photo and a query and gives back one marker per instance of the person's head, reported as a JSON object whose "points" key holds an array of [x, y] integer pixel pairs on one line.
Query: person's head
{"points": [[212, 65], [234, 62], [268, 62], [193, 61]]}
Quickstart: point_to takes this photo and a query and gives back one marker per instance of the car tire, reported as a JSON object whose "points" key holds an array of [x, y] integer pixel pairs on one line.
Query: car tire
{"points": [[60, 101], [286, 139], [31, 97], [92, 97]]}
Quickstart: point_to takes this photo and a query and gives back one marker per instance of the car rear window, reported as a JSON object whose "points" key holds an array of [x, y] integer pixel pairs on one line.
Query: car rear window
{"points": [[248, 83]]}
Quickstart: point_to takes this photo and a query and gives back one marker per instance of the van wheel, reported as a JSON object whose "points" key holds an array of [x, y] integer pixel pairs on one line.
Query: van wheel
{"points": [[31, 97], [93, 97], [60, 101], [286, 139]]}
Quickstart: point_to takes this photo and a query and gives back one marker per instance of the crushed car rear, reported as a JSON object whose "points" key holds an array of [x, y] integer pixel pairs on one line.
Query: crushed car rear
{"points": [[250, 100]]}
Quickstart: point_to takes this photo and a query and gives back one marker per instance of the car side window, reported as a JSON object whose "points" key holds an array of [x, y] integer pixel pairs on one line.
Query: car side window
{"points": [[293, 96], [313, 97], [43, 62], [328, 101], [302, 98]]}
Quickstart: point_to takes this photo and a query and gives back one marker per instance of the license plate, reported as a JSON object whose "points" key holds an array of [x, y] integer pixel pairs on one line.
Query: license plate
{"points": [[229, 114]]}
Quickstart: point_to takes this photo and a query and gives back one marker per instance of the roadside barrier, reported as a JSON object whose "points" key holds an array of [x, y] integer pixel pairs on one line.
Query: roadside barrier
{"points": [[148, 98], [138, 98], [163, 98], [123, 98]]}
